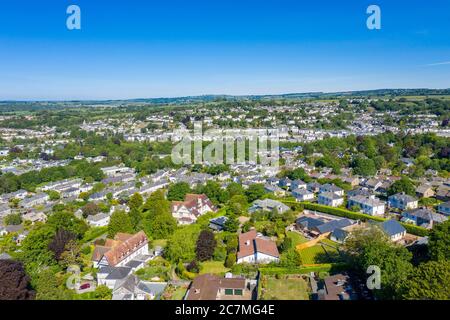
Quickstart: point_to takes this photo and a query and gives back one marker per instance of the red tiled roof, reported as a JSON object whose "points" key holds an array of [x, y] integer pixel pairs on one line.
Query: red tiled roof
{"points": [[122, 246], [249, 243]]}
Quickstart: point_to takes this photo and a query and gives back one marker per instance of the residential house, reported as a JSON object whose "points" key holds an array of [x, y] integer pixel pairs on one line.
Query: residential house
{"points": [[301, 194], [424, 191], [193, 206], [98, 220], [254, 248], [393, 229], [4, 210], [317, 226], [34, 216], [131, 288], [337, 287], [268, 205], [331, 188], [284, 183], [369, 205], [35, 200], [330, 199], [213, 287], [298, 184], [121, 250], [402, 201], [276, 190], [373, 184], [218, 224], [423, 217], [313, 187], [444, 208]]}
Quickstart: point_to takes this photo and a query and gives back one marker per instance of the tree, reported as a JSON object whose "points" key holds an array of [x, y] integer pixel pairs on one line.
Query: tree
{"points": [[429, 281], [53, 195], [34, 253], [136, 201], [298, 173], [160, 226], [371, 247], [235, 189], [178, 191], [66, 220], [206, 244], [48, 287], [255, 191], [158, 221], [403, 185], [364, 167], [135, 218], [182, 244], [238, 204], [232, 224], [231, 260], [102, 292], [291, 258], [59, 242], [70, 255], [90, 209], [12, 219], [119, 222], [14, 282], [439, 242]]}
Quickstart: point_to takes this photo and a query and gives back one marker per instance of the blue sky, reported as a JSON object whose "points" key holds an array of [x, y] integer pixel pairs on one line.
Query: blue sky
{"points": [[166, 48]]}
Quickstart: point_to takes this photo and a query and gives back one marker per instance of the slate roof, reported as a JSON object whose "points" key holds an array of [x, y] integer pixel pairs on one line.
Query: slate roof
{"points": [[117, 273], [334, 224], [392, 227], [308, 222]]}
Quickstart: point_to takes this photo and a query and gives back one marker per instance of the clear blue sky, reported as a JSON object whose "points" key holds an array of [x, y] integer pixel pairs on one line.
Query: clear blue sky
{"points": [[159, 48]]}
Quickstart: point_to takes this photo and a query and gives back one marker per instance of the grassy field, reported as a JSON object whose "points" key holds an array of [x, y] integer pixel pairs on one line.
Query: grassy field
{"points": [[179, 293], [287, 288], [215, 267], [296, 238], [319, 254]]}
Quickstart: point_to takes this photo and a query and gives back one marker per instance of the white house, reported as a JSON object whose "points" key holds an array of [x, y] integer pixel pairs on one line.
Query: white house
{"points": [[330, 199], [402, 201], [369, 205], [256, 249], [268, 205], [331, 188], [98, 220], [193, 206], [303, 195]]}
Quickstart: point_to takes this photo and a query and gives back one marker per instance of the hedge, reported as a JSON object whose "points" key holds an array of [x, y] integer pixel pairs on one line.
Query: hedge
{"points": [[412, 229]]}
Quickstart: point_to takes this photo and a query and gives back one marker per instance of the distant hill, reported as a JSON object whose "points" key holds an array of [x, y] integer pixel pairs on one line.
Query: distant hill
{"points": [[212, 98]]}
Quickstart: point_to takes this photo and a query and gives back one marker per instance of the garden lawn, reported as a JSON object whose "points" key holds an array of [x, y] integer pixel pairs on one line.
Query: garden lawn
{"points": [[214, 267], [290, 288], [320, 254], [296, 238], [179, 293]]}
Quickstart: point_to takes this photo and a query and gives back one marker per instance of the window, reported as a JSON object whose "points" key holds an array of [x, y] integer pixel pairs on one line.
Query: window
{"points": [[228, 292], [238, 292]]}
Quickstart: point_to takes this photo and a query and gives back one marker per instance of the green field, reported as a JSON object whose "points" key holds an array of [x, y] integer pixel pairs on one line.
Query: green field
{"points": [[296, 238], [215, 267], [287, 288], [319, 254]]}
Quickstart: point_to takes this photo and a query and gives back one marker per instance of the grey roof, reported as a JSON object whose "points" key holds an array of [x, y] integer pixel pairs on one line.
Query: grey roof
{"points": [[403, 197], [426, 214], [392, 227], [220, 221], [117, 273], [301, 191], [133, 263], [97, 217], [155, 288], [339, 234], [330, 195], [334, 224], [308, 222]]}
